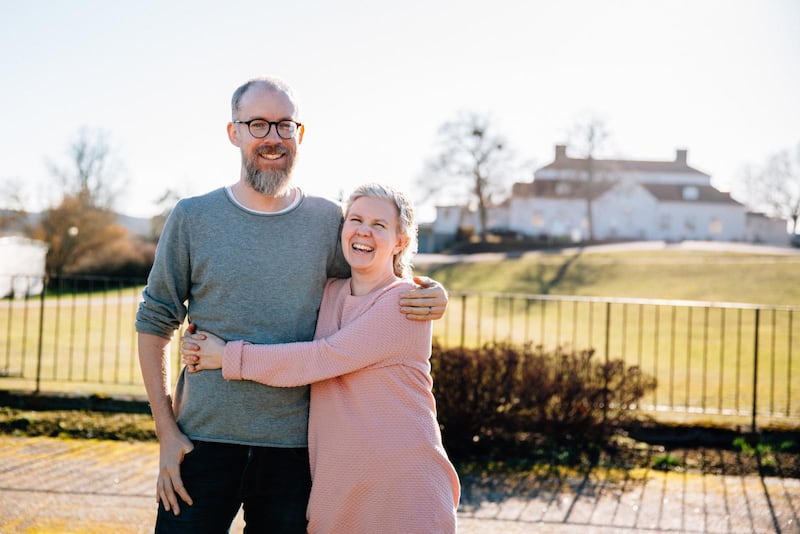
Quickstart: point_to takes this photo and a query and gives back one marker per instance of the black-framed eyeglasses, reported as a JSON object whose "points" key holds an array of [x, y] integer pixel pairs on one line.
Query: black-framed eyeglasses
{"points": [[260, 128]]}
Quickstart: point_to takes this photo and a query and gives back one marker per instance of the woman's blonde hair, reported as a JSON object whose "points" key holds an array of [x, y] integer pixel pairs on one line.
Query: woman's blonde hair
{"points": [[407, 226]]}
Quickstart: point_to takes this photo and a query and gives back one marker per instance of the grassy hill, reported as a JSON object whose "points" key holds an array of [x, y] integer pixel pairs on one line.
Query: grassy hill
{"points": [[759, 278]]}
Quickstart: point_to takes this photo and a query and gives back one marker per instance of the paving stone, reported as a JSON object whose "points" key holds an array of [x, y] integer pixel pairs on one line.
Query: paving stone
{"points": [[89, 486]]}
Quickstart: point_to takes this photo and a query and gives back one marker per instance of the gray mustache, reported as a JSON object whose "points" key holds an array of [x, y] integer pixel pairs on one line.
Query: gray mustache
{"points": [[271, 150]]}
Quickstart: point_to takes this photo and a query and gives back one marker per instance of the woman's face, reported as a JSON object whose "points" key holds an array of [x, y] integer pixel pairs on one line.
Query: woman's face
{"points": [[370, 236]]}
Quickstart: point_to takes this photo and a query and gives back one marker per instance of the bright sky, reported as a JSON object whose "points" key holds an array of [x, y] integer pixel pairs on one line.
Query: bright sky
{"points": [[376, 80]]}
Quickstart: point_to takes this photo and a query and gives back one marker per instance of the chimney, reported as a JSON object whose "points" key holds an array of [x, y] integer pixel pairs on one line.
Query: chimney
{"points": [[561, 152], [680, 156]]}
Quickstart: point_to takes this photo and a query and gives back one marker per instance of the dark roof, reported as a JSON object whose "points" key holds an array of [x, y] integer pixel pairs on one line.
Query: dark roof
{"points": [[572, 189], [675, 193], [610, 166], [559, 189]]}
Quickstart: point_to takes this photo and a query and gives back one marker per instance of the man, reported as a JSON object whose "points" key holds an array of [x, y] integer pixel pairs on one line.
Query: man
{"points": [[250, 262]]}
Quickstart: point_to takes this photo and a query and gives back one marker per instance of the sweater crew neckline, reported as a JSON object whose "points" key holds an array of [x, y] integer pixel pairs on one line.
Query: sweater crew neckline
{"points": [[298, 198]]}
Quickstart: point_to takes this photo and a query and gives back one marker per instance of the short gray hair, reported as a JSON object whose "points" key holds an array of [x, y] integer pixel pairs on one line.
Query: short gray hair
{"points": [[271, 83], [407, 226]]}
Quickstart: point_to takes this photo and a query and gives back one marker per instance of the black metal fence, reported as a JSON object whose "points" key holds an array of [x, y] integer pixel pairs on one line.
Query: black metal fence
{"points": [[738, 362], [714, 360], [78, 334]]}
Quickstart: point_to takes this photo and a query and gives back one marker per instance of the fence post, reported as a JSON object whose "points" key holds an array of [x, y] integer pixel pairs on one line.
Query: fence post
{"points": [[607, 367], [463, 318], [753, 426], [41, 337]]}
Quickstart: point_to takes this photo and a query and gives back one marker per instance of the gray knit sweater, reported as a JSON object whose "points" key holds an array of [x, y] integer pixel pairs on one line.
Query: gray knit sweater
{"points": [[242, 275]]}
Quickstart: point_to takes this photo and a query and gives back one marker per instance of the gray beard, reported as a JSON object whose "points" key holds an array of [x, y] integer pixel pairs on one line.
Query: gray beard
{"points": [[271, 182]]}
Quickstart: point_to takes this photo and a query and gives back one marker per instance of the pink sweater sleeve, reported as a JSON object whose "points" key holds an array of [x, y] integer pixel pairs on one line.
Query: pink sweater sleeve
{"points": [[380, 334]]}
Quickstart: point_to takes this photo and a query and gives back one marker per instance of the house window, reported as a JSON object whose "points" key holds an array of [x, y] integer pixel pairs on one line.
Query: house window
{"points": [[537, 221], [690, 192], [665, 223], [689, 225], [715, 226], [563, 189]]}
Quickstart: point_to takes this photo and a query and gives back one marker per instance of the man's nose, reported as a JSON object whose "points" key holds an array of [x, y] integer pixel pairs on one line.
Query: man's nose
{"points": [[272, 136]]}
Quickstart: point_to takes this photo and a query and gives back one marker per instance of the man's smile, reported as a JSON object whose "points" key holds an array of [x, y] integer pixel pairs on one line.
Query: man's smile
{"points": [[272, 153]]}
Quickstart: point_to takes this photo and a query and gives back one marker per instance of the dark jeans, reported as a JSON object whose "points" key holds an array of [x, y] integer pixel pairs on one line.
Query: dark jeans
{"points": [[272, 484]]}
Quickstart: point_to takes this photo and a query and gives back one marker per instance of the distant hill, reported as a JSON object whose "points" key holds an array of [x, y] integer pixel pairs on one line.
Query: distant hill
{"points": [[140, 226], [137, 226]]}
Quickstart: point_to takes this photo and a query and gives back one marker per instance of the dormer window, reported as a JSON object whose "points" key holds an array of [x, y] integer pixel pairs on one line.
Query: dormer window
{"points": [[690, 192], [563, 189]]}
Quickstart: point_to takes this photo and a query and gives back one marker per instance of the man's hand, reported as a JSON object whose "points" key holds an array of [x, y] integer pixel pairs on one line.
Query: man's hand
{"points": [[427, 303], [173, 444], [169, 486]]}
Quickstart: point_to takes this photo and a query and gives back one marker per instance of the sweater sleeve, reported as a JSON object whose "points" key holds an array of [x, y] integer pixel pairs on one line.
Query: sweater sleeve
{"points": [[163, 309], [380, 334]]}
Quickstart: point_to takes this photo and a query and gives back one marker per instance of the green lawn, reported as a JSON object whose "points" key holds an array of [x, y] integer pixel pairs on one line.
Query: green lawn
{"points": [[661, 274], [87, 343]]}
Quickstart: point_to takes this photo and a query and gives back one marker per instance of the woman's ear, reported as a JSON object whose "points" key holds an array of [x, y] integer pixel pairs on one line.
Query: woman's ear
{"points": [[402, 243]]}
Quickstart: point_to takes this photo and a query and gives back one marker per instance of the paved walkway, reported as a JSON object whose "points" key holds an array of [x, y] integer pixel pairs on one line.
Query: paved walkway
{"points": [[83, 486]]}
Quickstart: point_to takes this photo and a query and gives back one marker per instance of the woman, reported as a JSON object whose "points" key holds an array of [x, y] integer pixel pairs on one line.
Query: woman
{"points": [[377, 461]]}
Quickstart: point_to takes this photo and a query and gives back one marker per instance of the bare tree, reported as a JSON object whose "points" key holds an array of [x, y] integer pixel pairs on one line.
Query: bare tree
{"points": [[775, 187], [165, 202], [13, 215], [587, 138], [472, 157], [92, 174], [82, 225]]}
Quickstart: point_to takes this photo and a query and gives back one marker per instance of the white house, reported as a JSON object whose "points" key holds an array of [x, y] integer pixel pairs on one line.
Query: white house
{"points": [[630, 200], [22, 266], [763, 229]]}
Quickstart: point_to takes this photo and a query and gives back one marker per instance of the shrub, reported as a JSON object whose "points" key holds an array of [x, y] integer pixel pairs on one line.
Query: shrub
{"points": [[666, 462], [501, 395], [128, 258]]}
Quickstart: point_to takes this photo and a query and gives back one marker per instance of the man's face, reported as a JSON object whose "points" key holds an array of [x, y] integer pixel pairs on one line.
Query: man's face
{"points": [[267, 163]]}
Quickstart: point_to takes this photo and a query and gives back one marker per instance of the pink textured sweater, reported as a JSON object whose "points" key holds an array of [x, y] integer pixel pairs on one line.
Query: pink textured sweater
{"points": [[377, 461]]}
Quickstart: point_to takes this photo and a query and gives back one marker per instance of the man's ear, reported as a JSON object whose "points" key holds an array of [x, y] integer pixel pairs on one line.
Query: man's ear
{"points": [[233, 135], [300, 132]]}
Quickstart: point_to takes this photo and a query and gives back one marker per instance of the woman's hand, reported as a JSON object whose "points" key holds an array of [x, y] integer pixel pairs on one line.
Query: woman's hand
{"points": [[426, 303], [201, 351]]}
